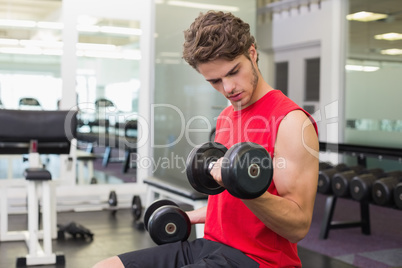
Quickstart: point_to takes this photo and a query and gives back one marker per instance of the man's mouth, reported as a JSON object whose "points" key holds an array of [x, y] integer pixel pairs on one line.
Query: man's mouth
{"points": [[235, 97]]}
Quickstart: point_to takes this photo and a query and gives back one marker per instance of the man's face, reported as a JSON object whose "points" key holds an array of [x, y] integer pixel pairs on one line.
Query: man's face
{"points": [[237, 80]]}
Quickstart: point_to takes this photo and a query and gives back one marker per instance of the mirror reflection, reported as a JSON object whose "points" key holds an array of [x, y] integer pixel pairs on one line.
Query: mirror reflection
{"points": [[374, 65], [107, 99], [31, 47]]}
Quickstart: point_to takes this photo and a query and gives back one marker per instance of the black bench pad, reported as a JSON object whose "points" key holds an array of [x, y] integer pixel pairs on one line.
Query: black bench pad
{"points": [[37, 174], [177, 186]]}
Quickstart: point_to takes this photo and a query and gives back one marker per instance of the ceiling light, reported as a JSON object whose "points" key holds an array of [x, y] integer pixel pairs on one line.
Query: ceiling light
{"points": [[203, 6], [102, 54], [93, 46], [9, 42], [85, 27], [88, 28], [389, 36], [392, 51], [18, 23], [361, 68], [120, 30], [50, 25], [24, 51], [366, 16], [41, 43]]}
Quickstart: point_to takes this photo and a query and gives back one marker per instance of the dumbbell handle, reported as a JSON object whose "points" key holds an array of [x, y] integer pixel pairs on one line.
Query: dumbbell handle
{"points": [[253, 169], [211, 166]]}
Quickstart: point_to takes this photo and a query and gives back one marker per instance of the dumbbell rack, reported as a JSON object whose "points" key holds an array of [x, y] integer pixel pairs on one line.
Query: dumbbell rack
{"points": [[361, 153]]}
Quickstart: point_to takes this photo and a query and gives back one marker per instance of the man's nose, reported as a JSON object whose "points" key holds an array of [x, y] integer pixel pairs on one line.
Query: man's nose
{"points": [[228, 86]]}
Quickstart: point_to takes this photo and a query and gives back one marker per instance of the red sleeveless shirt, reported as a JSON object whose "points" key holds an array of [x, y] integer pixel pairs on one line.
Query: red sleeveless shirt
{"points": [[228, 220]]}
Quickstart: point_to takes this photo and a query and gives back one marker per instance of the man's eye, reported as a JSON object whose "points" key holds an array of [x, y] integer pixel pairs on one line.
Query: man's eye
{"points": [[213, 82], [234, 72]]}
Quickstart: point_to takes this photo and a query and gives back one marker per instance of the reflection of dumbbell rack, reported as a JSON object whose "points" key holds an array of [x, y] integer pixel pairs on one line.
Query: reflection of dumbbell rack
{"points": [[361, 153]]}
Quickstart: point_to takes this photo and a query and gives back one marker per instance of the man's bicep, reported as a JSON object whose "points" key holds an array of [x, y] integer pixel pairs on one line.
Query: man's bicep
{"points": [[296, 162]]}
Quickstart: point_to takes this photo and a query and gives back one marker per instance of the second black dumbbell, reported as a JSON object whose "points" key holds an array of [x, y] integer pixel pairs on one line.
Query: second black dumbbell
{"points": [[166, 222], [246, 169]]}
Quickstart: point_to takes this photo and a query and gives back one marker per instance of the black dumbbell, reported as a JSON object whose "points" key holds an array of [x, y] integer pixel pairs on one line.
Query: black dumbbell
{"points": [[136, 207], [324, 165], [166, 222], [136, 210], [246, 169], [383, 189], [341, 181], [398, 195], [325, 177], [360, 186], [112, 201]]}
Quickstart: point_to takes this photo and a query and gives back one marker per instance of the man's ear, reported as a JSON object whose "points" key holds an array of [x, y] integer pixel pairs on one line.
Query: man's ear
{"points": [[253, 53]]}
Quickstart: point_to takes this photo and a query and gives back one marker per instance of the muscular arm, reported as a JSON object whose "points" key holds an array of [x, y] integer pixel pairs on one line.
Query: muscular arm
{"points": [[295, 177]]}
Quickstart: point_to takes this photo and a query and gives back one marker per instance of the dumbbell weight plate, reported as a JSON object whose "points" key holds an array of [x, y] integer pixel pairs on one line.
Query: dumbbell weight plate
{"points": [[360, 187], [197, 167], [154, 206], [136, 207], [382, 191], [247, 170], [112, 199], [340, 182], [325, 165], [398, 195], [169, 224], [325, 176]]}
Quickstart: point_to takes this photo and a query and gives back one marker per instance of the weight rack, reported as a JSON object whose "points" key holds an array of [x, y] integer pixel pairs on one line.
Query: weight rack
{"points": [[361, 153]]}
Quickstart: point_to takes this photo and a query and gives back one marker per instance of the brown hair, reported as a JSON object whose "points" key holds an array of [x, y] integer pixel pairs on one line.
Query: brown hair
{"points": [[216, 35]]}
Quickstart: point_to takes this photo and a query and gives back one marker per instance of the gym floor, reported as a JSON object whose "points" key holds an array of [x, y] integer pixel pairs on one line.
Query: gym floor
{"points": [[112, 235], [118, 234]]}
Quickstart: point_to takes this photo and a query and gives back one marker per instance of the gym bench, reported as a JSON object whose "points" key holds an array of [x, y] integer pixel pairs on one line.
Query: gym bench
{"points": [[34, 133], [176, 189]]}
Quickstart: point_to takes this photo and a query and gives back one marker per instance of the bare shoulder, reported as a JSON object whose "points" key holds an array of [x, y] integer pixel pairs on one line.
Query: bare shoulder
{"points": [[296, 131]]}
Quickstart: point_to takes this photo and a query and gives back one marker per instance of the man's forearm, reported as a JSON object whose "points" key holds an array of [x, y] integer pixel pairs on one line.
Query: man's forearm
{"points": [[281, 215], [198, 215]]}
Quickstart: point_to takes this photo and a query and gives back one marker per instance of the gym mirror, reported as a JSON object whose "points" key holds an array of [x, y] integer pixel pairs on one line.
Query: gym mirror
{"points": [[374, 65]]}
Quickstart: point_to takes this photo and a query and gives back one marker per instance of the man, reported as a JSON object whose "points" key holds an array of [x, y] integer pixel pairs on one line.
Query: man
{"points": [[260, 232]]}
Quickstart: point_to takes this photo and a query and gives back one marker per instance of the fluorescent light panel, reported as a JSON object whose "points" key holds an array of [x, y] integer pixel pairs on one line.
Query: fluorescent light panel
{"points": [[366, 16], [41, 43], [9, 42], [18, 23], [53, 48], [203, 6], [389, 36], [392, 51], [361, 68], [99, 47], [80, 27], [120, 30], [50, 25]]}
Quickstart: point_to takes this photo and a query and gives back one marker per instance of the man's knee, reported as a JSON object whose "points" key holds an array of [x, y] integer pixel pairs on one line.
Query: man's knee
{"points": [[113, 262]]}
